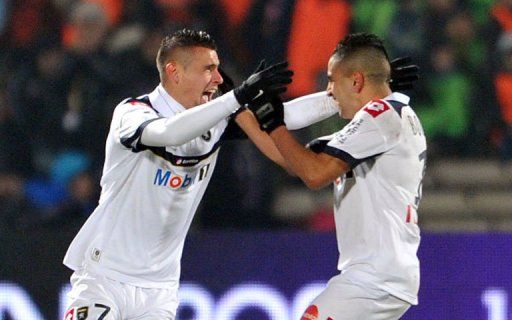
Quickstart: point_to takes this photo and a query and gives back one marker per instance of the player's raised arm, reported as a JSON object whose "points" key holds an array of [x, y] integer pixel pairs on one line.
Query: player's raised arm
{"points": [[193, 122]]}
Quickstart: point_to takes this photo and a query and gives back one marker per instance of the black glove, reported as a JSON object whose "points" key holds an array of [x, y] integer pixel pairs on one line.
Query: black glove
{"points": [[403, 74], [271, 80], [269, 111]]}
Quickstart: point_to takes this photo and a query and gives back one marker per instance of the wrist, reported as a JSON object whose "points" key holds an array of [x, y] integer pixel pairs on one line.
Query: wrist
{"points": [[272, 126]]}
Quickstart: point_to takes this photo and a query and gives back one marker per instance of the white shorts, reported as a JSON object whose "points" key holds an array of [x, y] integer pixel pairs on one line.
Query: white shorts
{"points": [[95, 297], [344, 300]]}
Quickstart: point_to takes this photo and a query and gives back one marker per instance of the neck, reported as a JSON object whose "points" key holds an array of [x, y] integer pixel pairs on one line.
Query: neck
{"points": [[175, 94], [375, 93]]}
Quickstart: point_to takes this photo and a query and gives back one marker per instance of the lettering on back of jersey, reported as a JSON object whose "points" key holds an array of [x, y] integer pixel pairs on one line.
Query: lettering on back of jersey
{"points": [[376, 108], [348, 130]]}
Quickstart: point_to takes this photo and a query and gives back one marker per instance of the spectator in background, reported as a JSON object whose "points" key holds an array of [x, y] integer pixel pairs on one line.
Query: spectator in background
{"points": [[310, 19], [15, 167], [375, 16], [92, 75], [37, 93], [406, 33], [27, 20], [266, 30], [446, 115], [81, 197], [436, 15], [500, 23], [139, 64], [3, 15], [503, 84], [470, 50]]}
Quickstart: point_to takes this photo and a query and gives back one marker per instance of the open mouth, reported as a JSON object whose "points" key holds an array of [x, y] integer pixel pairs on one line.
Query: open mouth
{"points": [[208, 95]]}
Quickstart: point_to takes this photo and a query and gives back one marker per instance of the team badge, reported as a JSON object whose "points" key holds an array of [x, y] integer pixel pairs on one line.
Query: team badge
{"points": [[376, 108], [81, 313], [206, 136], [311, 313]]}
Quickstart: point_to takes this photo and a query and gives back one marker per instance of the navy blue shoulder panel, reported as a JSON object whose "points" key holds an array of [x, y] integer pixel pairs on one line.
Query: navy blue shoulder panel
{"points": [[144, 99], [317, 145], [397, 105]]}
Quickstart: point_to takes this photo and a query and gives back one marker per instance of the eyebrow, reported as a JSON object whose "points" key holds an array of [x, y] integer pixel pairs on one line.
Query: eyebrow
{"points": [[211, 66]]}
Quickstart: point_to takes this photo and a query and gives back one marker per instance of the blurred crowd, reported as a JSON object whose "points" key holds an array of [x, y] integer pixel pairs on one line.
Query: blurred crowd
{"points": [[65, 64]]}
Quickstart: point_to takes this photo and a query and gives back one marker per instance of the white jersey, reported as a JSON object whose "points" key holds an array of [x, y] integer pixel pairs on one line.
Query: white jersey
{"points": [[148, 199], [375, 203]]}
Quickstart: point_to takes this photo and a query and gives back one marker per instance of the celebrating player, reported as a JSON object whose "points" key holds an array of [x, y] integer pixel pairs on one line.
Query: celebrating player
{"points": [[160, 154], [376, 164]]}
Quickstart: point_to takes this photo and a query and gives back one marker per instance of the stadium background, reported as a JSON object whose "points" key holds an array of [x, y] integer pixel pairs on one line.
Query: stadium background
{"points": [[64, 65]]}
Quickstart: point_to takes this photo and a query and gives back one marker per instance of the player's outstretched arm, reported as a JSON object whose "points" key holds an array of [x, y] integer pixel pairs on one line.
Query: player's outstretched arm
{"points": [[248, 123], [316, 170], [188, 124], [195, 121], [309, 109]]}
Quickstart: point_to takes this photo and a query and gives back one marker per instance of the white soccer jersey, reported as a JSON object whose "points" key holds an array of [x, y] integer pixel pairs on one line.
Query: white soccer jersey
{"points": [[375, 203], [149, 197]]}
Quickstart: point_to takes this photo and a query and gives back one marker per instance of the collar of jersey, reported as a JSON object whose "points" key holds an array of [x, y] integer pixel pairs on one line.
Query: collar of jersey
{"points": [[400, 97], [164, 103]]}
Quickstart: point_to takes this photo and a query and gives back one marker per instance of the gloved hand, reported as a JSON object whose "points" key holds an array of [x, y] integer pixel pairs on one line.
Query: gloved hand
{"points": [[403, 74], [269, 111], [270, 80]]}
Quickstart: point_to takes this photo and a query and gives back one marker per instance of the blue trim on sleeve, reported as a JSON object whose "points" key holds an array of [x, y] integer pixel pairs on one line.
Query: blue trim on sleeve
{"points": [[345, 156], [127, 142], [317, 145], [397, 106]]}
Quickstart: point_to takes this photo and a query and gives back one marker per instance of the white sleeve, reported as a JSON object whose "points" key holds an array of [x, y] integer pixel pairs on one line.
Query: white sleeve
{"points": [[372, 131], [129, 120], [190, 123], [307, 110]]}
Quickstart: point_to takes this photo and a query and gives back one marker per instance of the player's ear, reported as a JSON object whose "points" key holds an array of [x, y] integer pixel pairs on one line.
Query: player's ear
{"points": [[358, 81], [172, 71]]}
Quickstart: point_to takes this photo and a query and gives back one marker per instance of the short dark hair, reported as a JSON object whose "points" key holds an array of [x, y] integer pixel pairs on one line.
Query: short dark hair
{"points": [[366, 52], [184, 38], [357, 42]]}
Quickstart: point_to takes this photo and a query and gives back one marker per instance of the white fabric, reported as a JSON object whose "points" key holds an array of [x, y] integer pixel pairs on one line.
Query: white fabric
{"points": [[115, 300], [375, 210], [188, 124], [136, 233], [346, 300], [307, 110]]}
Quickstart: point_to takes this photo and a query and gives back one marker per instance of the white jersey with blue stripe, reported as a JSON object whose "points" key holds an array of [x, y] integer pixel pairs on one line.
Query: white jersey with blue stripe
{"points": [[148, 200], [376, 202]]}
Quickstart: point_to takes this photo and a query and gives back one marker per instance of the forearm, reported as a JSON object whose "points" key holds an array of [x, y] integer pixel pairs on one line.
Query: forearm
{"points": [[316, 170], [190, 123], [248, 123], [307, 110]]}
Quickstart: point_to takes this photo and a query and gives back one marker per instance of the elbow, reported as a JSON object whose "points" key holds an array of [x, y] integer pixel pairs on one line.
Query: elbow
{"points": [[314, 183]]}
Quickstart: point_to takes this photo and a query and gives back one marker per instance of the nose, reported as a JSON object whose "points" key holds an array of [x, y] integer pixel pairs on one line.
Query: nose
{"points": [[329, 89], [217, 77]]}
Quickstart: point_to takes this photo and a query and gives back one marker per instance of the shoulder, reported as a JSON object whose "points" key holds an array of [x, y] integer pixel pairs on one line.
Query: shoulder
{"points": [[382, 115], [141, 104]]}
